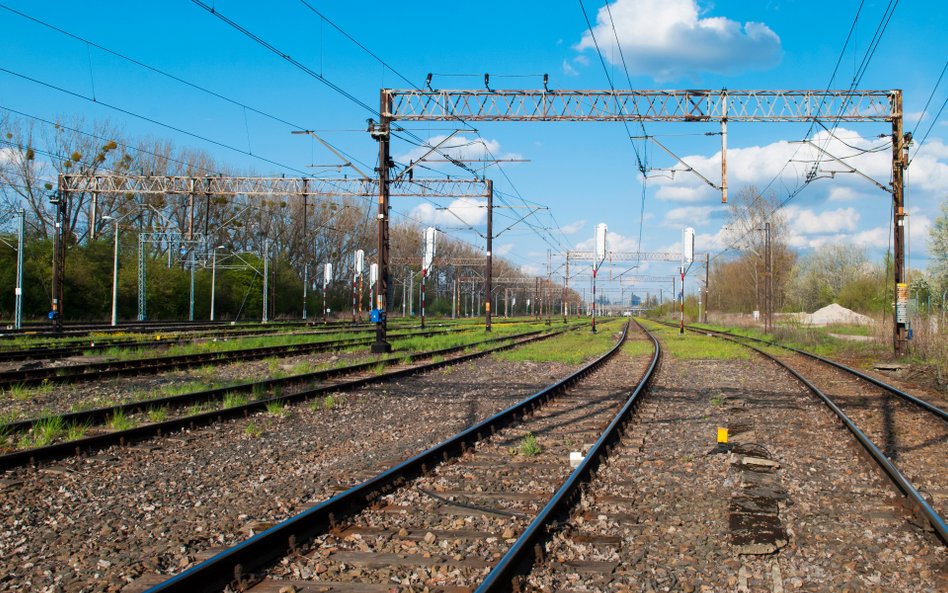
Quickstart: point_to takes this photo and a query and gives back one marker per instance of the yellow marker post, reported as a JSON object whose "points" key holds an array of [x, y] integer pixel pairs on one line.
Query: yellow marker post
{"points": [[722, 436]]}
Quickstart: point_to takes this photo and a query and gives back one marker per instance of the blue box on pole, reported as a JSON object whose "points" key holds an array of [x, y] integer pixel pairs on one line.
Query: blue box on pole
{"points": [[377, 315]]}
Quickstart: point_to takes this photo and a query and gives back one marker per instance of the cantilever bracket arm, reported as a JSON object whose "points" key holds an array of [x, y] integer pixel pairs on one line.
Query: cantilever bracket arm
{"points": [[687, 168], [849, 168]]}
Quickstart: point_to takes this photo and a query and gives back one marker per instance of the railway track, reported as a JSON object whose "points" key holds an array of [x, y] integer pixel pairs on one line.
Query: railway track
{"points": [[37, 330], [100, 344], [453, 514], [96, 371], [905, 435], [238, 400]]}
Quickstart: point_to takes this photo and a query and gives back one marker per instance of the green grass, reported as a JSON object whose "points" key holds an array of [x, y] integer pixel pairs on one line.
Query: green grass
{"points": [[121, 421], [690, 346], [571, 348], [329, 402], [232, 400], [277, 409], [200, 408], [253, 429], [90, 404], [157, 414], [44, 432], [379, 368], [636, 348], [189, 387], [74, 432], [21, 392], [5, 432], [529, 445], [301, 368]]}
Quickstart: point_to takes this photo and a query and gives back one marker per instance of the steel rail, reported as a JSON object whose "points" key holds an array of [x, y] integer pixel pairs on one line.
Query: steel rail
{"points": [[123, 437], [96, 371], [895, 390], [893, 472], [264, 548], [522, 553], [897, 477], [100, 415], [53, 352]]}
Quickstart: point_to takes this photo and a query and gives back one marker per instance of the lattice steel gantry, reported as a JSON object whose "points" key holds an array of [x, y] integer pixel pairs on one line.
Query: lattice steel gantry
{"points": [[689, 105]]}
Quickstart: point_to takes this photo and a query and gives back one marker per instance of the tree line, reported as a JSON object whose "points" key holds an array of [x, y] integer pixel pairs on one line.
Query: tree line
{"points": [[831, 273], [231, 231]]}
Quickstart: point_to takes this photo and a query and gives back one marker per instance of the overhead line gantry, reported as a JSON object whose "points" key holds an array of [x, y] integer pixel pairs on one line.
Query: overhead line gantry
{"points": [[686, 105]]}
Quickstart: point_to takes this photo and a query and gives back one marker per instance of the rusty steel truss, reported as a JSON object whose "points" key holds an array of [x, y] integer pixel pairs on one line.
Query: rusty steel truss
{"points": [[118, 183], [640, 105], [684, 105]]}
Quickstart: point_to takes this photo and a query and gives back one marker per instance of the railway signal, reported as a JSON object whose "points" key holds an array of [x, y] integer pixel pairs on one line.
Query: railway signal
{"points": [[327, 278], [600, 257], [431, 235]]}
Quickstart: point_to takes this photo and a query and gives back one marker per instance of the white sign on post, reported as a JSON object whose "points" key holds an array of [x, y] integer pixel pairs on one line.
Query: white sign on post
{"points": [[688, 245], [431, 234], [600, 243], [373, 274], [359, 262], [327, 274]]}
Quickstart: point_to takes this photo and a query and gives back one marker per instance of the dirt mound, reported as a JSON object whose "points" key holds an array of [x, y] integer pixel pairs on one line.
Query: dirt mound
{"points": [[833, 313]]}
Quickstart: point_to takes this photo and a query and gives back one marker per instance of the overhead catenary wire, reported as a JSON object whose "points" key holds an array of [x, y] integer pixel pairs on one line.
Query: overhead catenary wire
{"points": [[423, 142], [857, 78], [934, 120], [166, 74]]}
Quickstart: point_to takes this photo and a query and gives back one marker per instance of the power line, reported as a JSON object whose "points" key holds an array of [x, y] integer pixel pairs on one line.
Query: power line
{"points": [[355, 41], [150, 120], [932, 125], [102, 138], [628, 78], [925, 110]]}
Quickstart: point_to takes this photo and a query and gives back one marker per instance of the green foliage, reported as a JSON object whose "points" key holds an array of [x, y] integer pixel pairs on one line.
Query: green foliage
{"points": [[233, 400], [74, 432], [691, 346], [571, 348], [529, 445], [121, 421], [938, 246], [46, 430], [277, 408], [252, 429], [157, 414]]}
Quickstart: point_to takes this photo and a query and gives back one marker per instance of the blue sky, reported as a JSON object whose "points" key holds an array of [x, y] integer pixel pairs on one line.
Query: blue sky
{"points": [[584, 173]]}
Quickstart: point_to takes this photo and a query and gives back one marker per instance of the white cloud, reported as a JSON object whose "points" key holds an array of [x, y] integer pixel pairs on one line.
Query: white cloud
{"points": [[689, 216], [809, 222], [789, 163], [683, 193], [463, 211], [503, 249], [458, 147], [569, 70], [614, 242], [573, 227], [875, 237], [843, 194], [666, 39]]}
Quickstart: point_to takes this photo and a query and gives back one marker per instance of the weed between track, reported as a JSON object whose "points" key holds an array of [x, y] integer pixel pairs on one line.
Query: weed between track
{"points": [[52, 428], [529, 445], [692, 346], [570, 348]]}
